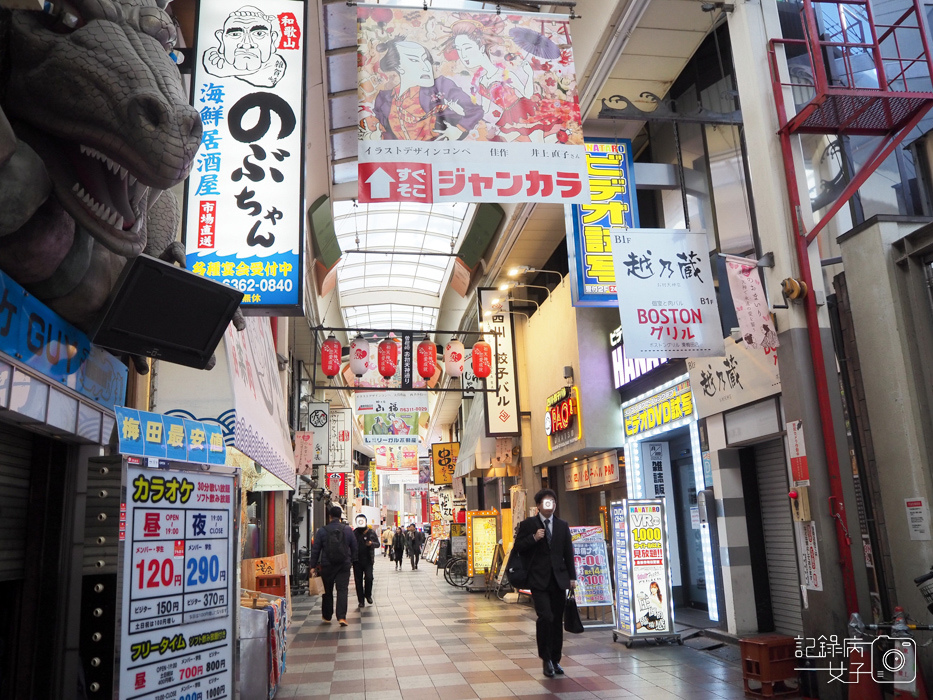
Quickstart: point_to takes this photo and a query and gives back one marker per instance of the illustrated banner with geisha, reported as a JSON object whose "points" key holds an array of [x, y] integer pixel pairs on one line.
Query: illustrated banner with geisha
{"points": [[667, 300], [244, 215], [468, 107]]}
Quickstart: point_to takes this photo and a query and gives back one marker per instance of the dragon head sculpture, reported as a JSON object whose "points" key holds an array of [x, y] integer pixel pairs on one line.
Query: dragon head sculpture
{"points": [[96, 94]]}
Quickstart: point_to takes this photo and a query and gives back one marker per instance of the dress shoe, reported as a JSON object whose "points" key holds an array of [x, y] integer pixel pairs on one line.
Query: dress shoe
{"points": [[369, 599], [362, 604], [548, 669], [557, 669]]}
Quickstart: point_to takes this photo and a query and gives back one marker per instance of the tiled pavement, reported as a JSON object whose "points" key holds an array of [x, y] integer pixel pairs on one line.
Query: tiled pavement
{"points": [[423, 639]]}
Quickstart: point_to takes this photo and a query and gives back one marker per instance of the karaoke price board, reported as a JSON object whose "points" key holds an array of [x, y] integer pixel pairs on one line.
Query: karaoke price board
{"points": [[178, 634]]}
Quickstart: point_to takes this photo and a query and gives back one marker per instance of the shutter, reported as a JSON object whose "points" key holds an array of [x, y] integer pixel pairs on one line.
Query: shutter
{"points": [[780, 546], [15, 463]]}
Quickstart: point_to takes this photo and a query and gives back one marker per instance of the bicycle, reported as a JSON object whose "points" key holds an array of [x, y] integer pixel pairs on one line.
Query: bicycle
{"points": [[898, 650], [455, 572]]}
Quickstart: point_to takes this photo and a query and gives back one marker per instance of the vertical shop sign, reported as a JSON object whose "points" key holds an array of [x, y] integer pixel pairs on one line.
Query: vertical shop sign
{"points": [[614, 205], [341, 454], [482, 537], [502, 411], [667, 300], [444, 459], [800, 471], [591, 560], [177, 633], [319, 427], [244, 217], [467, 107], [751, 304]]}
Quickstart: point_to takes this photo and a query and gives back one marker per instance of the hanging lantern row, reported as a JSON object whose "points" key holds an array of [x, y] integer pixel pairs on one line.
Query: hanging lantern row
{"points": [[387, 357]]}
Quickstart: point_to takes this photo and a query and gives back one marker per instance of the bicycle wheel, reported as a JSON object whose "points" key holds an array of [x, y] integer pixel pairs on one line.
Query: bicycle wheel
{"points": [[449, 564], [458, 573]]}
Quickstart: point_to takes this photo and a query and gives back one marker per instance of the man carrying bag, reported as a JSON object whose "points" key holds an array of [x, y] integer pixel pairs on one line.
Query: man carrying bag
{"points": [[333, 552]]}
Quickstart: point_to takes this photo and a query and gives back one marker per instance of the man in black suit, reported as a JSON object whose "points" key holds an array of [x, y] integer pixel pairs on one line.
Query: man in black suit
{"points": [[546, 549]]}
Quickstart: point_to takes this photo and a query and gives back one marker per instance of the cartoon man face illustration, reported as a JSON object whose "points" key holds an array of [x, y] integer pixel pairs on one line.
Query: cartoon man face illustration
{"points": [[247, 48], [414, 65]]}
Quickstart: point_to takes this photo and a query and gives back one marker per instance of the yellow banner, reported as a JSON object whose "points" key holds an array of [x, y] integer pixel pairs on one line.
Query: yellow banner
{"points": [[444, 460], [664, 407]]}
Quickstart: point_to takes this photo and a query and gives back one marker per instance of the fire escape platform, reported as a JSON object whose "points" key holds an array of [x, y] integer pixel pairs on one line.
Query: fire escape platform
{"points": [[858, 112]]}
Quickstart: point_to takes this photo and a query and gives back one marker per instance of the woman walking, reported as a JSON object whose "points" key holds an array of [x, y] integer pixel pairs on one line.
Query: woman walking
{"points": [[398, 548]]}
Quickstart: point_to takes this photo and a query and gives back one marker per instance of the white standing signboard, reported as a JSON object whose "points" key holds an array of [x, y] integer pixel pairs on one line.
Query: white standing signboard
{"points": [[591, 560], [643, 570], [667, 300], [178, 633], [244, 216]]}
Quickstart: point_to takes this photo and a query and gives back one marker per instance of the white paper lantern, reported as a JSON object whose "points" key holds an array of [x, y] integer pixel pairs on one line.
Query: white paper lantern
{"points": [[359, 355], [453, 358]]}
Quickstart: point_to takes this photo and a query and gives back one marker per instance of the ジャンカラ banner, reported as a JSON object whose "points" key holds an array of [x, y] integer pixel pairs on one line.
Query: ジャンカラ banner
{"points": [[612, 189], [244, 220], [667, 300], [467, 107]]}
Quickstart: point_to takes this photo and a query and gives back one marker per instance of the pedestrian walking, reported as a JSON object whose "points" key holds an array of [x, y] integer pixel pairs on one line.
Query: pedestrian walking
{"points": [[544, 544], [415, 541], [367, 542], [398, 548], [333, 553], [386, 540]]}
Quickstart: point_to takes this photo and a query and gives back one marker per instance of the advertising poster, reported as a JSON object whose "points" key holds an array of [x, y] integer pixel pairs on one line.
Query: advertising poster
{"points": [[178, 618], [244, 219], [319, 428], [667, 300], [458, 106], [444, 459], [613, 204], [482, 537], [810, 570], [620, 551], [751, 304], [341, 454], [800, 470], [594, 585], [652, 607], [502, 412], [743, 375], [391, 417]]}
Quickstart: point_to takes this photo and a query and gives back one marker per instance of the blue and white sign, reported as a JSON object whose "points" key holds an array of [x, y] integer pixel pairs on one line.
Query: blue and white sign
{"points": [[41, 339], [624, 622], [244, 219], [145, 434], [613, 205]]}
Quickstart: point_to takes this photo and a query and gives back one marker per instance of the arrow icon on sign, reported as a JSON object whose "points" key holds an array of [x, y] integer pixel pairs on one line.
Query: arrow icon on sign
{"points": [[379, 183]]}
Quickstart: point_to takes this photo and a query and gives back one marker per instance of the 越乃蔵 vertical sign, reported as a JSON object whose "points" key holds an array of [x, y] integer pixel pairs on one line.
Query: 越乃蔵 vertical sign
{"points": [[613, 205], [244, 214], [467, 106]]}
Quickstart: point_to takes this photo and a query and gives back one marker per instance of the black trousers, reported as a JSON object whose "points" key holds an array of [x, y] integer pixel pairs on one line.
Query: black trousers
{"points": [[331, 578], [415, 556], [363, 575], [549, 607]]}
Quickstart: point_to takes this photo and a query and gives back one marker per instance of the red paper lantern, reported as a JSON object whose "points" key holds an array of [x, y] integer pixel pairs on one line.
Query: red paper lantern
{"points": [[482, 359], [427, 359], [388, 357], [331, 352]]}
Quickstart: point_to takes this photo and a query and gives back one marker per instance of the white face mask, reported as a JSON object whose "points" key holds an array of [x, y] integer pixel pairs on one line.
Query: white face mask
{"points": [[548, 504]]}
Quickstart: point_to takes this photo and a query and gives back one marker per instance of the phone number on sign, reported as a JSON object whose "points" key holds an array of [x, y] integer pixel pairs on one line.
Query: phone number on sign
{"points": [[264, 285]]}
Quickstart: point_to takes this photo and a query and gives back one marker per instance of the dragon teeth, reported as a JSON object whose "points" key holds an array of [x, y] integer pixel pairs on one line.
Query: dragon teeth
{"points": [[110, 164]]}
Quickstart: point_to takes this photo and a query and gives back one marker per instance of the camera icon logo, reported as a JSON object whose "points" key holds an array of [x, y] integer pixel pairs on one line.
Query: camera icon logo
{"points": [[894, 659]]}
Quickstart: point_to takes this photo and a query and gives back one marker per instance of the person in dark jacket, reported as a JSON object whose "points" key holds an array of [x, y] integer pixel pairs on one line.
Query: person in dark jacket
{"points": [[334, 566], [546, 548], [398, 548], [367, 542], [415, 541]]}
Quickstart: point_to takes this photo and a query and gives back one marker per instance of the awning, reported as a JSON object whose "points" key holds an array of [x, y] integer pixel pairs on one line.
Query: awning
{"points": [[476, 450], [242, 394]]}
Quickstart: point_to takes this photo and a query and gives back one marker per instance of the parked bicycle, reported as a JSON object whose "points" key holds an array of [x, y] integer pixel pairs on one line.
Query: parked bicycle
{"points": [[455, 572]]}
